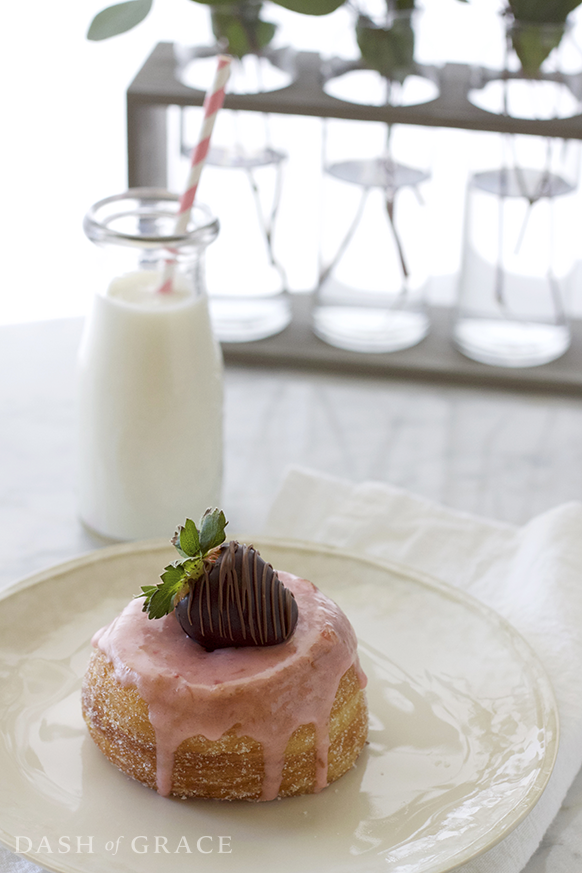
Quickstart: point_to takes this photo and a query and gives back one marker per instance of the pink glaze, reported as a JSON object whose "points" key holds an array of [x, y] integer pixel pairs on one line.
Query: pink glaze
{"points": [[267, 693]]}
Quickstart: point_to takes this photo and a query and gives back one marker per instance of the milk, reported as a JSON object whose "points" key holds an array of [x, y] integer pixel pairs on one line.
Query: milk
{"points": [[150, 409]]}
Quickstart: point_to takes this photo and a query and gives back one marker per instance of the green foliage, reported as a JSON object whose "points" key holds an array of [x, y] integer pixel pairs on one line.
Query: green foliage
{"points": [[160, 599], [193, 544], [124, 16], [389, 50], [311, 7], [533, 43], [212, 525], [118, 19], [188, 539], [542, 11], [538, 29], [242, 28], [305, 7]]}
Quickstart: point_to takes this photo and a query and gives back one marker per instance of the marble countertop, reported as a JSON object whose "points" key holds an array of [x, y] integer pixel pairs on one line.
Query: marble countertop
{"points": [[500, 454], [495, 453]]}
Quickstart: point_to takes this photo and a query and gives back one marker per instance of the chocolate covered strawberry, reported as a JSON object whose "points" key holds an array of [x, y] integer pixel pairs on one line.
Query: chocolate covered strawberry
{"points": [[224, 594]]}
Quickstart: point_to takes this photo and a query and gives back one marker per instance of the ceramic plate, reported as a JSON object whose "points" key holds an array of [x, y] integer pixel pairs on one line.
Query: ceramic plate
{"points": [[463, 733]]}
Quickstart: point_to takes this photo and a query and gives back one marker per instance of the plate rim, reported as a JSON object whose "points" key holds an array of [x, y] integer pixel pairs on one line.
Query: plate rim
{"points": [[421, 577]]}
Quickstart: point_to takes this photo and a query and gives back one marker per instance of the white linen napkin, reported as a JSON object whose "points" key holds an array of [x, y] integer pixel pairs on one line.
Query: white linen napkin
{"points": [[10, 863], [531, 575]]}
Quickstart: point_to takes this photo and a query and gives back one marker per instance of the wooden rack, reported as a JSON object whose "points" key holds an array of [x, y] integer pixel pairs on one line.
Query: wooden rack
{"points": [[157, 85]]}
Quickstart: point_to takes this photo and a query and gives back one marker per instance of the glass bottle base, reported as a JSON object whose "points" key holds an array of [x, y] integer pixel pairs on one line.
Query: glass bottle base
{"points": [[369, 329], [506, 343], [244, 319]]}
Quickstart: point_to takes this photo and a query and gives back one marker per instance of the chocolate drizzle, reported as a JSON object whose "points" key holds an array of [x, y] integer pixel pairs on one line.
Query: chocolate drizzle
{"points": [[238, 601]]}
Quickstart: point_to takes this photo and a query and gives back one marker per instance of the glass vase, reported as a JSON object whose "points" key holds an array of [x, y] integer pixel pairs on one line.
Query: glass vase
{"points": [[243, 179], [373, 276], [150, 371], [518, 260]]}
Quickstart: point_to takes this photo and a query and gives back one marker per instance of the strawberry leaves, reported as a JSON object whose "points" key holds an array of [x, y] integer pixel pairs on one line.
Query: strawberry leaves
{"points": [[187, 540], [212, 533], [195, 546]]}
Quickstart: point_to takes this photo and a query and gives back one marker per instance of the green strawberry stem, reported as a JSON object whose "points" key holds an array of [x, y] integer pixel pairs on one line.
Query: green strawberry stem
{"points": [[196, 546]]}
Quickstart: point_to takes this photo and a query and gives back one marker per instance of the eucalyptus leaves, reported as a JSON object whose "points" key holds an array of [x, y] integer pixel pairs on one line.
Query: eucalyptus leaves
{"points": [[249, 31], [537, 29], [387, 44]]}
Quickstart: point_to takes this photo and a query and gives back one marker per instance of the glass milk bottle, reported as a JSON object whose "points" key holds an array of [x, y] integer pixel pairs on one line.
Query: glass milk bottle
{"points": [[150, 371]]}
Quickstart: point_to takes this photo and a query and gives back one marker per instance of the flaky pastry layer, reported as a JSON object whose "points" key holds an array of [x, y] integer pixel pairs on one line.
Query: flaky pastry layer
{"points": [[230, 768]]}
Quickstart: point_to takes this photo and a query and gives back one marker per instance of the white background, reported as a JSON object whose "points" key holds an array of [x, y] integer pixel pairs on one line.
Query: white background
{"points": [[63, 144]]}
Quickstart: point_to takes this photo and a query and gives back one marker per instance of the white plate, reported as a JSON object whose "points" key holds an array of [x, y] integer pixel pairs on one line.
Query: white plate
{"points": [[462, 741]]}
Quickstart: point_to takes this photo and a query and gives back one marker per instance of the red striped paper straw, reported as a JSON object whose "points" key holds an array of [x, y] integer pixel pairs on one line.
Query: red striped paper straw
{"points": [[212, 103]]}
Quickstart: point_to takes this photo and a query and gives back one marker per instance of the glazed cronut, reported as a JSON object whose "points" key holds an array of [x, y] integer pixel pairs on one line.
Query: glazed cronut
{"points": [[229, 768]]}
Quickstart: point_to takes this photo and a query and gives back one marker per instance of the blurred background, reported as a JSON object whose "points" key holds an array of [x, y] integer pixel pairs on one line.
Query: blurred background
{"points": [[64, 142]]}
